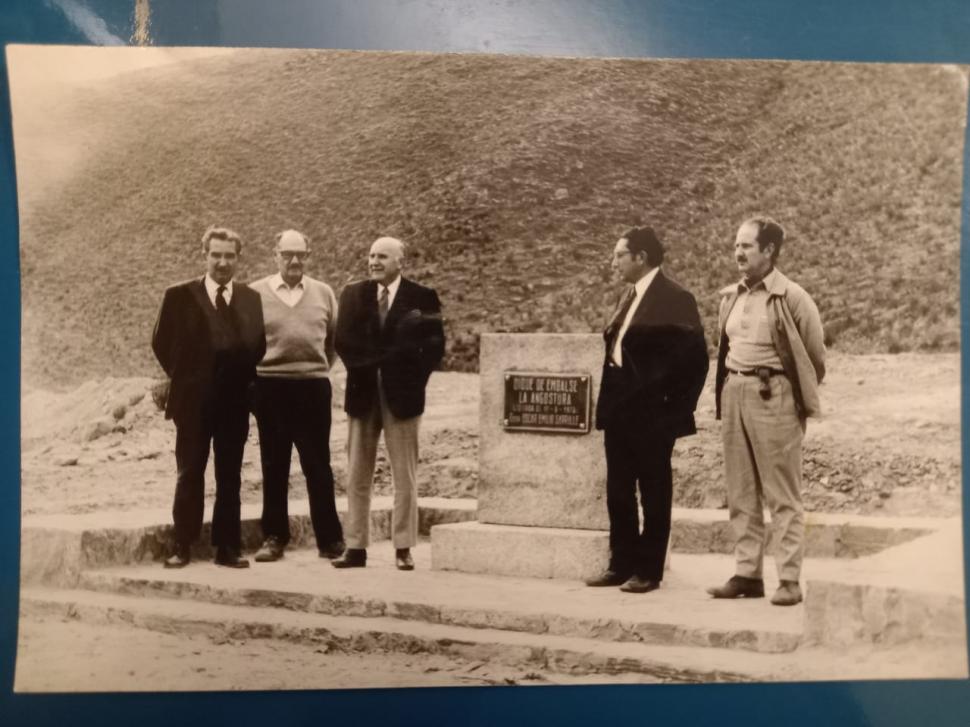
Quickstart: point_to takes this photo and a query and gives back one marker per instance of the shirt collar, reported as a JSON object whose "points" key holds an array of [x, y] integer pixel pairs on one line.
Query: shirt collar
{"points": [[643, 283], [276, 282], [212, 287], [766, 283], [391, 288]]}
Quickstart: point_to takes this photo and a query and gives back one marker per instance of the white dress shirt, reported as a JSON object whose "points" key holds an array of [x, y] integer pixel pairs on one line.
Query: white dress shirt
{"points": [[212, 288], [640, 288], [391, 291]]}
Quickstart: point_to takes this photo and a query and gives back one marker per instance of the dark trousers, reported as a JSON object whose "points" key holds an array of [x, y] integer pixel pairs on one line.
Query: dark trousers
{"points": [[637, 458], [225, 425], [296, 412]]}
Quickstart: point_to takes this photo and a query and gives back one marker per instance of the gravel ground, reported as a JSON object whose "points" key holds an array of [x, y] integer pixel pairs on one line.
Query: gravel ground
{"points": [[889, 444]]}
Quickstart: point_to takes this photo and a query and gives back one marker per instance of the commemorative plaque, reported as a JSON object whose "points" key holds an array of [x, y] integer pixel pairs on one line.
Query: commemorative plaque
{"points": [[547, 402]]}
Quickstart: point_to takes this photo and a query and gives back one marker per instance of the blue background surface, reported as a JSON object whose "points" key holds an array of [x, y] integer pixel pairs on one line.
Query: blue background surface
{"points": [[862, 30]]}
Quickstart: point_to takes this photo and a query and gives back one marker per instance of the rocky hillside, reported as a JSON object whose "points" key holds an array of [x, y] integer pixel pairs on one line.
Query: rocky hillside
{"points": [[511, 178]]}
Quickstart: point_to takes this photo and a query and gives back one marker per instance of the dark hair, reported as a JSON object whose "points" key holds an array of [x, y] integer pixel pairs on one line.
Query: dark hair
{"points": [[644, 240], [769, 233], [221, 233]]}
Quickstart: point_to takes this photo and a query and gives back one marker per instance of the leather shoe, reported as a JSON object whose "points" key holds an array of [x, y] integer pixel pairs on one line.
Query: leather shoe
{"points": [[403, 559], [636, 584], [229, 558], [788, 594], [180, 558], [272, 549], [607, 578], [739, 587], [333, 550], [352, 558]]}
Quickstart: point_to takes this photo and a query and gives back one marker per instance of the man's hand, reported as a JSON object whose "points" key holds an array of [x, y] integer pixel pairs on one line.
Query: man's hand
{"points": [[160, 393]]}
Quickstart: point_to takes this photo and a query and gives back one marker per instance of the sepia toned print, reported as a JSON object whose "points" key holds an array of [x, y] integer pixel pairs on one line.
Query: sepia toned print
{"points": [[509, 181]]}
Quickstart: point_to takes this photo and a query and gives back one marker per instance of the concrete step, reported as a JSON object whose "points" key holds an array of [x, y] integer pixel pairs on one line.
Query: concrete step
{"points": [[356, 634], [911, 592], [827, 535], [540, 552], [680, 613], [516, 550], [908, 592], [558, 654], [55, 549], [575, 630]]}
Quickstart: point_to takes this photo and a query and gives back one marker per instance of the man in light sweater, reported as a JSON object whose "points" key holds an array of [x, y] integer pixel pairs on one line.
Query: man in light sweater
{"points": [[293, 397]]}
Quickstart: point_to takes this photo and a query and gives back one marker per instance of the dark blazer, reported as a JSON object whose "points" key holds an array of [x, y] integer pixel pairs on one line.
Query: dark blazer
{"points": [[183, 344], [405, 351], [664, 364]]}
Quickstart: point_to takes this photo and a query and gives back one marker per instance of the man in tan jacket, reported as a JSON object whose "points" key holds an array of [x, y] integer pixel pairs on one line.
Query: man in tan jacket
{"points": [[771, 359]]}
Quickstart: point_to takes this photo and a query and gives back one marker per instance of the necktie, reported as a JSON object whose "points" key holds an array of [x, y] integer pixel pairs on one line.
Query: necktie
{"points": [[617, 323], [221, 305], [382, 305]]}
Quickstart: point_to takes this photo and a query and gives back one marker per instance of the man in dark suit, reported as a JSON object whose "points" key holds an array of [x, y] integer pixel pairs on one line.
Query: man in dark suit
{"points": [[390, 338], [208, 338], [653, 374]]}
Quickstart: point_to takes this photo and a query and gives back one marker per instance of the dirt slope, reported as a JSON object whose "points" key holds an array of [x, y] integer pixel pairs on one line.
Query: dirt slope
{"points": [[511, 177]]}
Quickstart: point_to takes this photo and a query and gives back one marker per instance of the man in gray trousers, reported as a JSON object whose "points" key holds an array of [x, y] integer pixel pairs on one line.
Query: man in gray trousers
{"points": [[390, 338], [771, 359]]}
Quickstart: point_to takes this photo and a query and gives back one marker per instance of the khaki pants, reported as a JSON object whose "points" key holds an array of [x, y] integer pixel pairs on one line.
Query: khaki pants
{"points": [[401, 439], [763, 464]]}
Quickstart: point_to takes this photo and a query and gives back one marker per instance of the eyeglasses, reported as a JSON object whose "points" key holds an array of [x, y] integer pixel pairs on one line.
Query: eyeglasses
{"points": [[292, 255]]}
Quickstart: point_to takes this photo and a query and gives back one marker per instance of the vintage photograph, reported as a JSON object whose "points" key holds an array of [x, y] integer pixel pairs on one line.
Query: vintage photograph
{"points": [[355, 369]]}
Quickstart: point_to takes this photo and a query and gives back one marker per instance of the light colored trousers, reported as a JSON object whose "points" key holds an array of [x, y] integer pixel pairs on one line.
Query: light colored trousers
{"points": [[763, 464], [401, 440]]}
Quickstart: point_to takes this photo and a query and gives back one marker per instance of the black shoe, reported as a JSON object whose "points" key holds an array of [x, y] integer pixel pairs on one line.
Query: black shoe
{"points": [[636, 584], [334, 550], [608, 578], [403, 559], [229, 558], [180, 558], [271, 550], [352, 558], [739, 587]]}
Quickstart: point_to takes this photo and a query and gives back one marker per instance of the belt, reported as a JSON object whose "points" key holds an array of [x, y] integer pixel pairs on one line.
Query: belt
{"points": [[754, 372]]}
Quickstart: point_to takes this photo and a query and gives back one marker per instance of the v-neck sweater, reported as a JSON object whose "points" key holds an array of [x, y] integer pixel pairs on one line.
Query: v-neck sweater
{"points": [[299, 339]]}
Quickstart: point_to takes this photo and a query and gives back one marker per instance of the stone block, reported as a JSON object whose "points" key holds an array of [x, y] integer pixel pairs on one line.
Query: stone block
{"points": [[536, 478], [511, 550], [845, 614], [48, 556]]}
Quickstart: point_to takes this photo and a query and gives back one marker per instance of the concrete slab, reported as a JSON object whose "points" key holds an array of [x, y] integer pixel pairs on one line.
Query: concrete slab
{"points": [[847, 601], [513, 550], [680, 613], [827, 535], [561, 654], [911, 591], [349, 634], [56, 549], [538, 552]]}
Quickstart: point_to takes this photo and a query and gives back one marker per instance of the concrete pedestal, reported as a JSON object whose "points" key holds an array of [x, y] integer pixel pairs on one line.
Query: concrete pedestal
{"points": [[537, 478], [541, 496]]}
